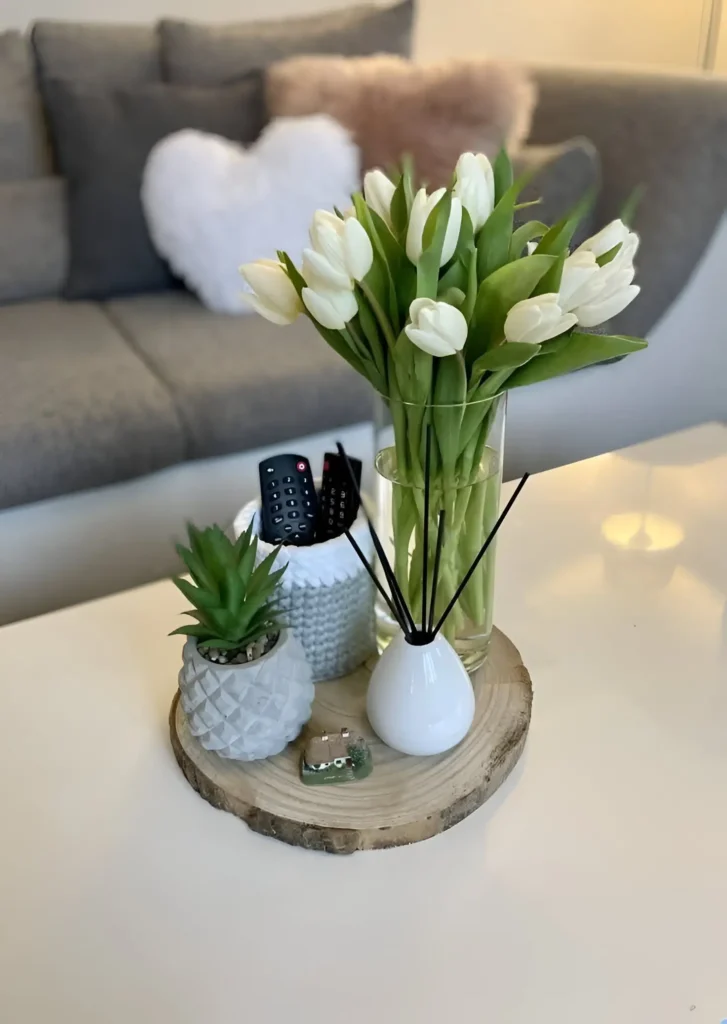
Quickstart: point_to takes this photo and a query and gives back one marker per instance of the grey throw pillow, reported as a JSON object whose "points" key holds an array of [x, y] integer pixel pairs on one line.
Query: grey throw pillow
{"points": [[563, 175], [212, 54], [33, 240], [102, 139]]}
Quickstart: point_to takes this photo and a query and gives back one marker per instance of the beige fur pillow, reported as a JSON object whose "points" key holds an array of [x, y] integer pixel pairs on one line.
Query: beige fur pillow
{"points": [[432, 112]]}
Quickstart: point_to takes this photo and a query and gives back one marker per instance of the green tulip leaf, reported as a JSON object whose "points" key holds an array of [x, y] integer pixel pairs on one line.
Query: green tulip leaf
{"points": [[512, 354], [450, 392], [550, 283], [526, 233], [495, 237], [559, 237], [502, 173], [581, 350], [496, 297], [435, 231], [632, 204]]}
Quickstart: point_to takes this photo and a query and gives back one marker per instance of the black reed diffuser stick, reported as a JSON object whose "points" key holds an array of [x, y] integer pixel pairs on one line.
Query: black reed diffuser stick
{"points": [[396, 593], [425, 537], [396, 603], [377, 584], [480, 556], [435, 572]]}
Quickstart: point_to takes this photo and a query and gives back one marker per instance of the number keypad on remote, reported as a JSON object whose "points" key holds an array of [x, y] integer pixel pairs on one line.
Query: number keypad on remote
{"points": [[289, 504], [338, 503]]}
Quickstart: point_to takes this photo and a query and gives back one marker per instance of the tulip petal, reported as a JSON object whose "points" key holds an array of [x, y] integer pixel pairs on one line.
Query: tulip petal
{"points": [[428, 341], [359, 253], [331, 309], [320, 274], [598, 312], [275, 316], [451, 236], [451, 325], [378, 193]]}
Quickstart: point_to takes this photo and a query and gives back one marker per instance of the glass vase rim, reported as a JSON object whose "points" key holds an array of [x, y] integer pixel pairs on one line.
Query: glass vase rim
{"points": [[495, 399]]}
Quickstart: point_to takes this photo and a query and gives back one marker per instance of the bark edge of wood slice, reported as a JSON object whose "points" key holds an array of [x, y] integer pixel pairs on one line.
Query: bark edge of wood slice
{"points": [[405, 799]]}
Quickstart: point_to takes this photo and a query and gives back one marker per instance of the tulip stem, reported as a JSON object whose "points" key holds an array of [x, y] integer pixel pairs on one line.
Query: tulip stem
{"points": [[380, 315]]}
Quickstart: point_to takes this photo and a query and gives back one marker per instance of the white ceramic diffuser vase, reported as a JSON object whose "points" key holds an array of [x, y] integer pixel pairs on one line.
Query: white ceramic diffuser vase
{"points": [[420, 698]]}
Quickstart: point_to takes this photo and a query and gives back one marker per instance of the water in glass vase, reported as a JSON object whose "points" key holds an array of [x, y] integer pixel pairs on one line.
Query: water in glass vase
{"points": [[470, 498]]}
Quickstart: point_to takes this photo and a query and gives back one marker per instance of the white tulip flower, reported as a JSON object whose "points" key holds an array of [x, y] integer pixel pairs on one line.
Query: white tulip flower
{"points": [[331, 308], [343, 243], [595, 294], [322, 275], [537, 319], [273, 294], [421, 208], [378, 193], [475, 187], [615, 233], [436, 327]]}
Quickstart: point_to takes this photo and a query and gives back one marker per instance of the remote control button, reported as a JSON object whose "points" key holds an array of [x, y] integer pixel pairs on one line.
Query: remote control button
{"points": [[276, 508], [270, 470], [277, 540], [303, 527], [307, 504], [343, 494], [301, 467], [277, 519], [310, 515], [305, 492], [293, 515], [287, 479], [288, 528], [342, 504], [333, 490], [272, 485], [291, 503], [290, 490], [330, 522], [275, 495]]}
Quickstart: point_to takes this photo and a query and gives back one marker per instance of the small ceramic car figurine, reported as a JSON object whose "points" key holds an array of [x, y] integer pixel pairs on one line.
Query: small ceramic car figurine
{"points": [[335, 757]]}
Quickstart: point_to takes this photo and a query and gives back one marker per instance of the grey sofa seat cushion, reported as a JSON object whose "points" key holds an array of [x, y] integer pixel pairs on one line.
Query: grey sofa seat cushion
{"points": [[106, 54], [23, 145], [213, 54], [241, 382], [78, 408], [33, 239]]}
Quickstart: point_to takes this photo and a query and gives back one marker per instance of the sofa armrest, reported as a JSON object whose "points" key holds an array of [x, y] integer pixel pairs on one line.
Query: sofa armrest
{"points": [[667, 132]]}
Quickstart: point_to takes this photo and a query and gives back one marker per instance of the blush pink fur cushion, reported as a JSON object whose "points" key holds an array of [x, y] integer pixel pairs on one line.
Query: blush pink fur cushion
{"points": [[393, 107]]}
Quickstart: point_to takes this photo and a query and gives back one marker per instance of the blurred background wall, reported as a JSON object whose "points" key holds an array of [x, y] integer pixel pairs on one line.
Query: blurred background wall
{"points": [[661, 33]]}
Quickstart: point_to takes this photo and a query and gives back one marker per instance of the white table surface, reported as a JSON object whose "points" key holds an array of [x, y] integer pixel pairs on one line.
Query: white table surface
{"points": [[592, 889]]}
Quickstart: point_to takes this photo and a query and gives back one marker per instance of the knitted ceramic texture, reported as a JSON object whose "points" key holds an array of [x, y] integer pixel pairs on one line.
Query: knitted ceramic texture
{"points": [[326, 598], [246, 712]]}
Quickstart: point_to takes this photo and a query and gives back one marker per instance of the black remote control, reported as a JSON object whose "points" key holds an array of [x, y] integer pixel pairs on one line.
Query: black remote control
{"points": [[289, 504], [338, 503]]}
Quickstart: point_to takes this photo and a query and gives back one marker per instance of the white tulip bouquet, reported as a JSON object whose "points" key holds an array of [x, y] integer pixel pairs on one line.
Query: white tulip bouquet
{"points": [[444, 305]]}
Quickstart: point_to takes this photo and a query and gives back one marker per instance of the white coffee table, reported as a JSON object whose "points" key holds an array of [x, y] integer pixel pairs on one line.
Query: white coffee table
{"points": [[592, 889]]}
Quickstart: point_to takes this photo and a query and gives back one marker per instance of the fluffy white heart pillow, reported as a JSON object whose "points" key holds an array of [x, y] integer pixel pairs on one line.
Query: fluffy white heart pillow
{"points": [[212, 205]]}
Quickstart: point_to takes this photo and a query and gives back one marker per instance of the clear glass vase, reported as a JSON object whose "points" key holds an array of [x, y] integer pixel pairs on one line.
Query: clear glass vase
{"points": [[465, 480]]}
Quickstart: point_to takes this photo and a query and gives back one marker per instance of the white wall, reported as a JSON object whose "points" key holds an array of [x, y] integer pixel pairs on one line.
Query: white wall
{"points": [[658, 32]]}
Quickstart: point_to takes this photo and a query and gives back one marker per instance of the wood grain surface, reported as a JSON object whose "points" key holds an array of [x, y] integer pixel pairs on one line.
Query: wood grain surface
{"points": [[405, 800]]}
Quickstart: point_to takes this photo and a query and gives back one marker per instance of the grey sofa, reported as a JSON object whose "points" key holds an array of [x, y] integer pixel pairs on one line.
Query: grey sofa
{"points": [[122, 418]]}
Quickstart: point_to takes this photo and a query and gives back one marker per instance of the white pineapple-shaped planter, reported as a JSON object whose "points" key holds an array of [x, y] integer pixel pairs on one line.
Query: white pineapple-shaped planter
{"points": [[248, 711]]}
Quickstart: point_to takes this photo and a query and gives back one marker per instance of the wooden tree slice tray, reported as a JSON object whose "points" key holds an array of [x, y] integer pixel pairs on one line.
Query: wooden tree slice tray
{"points": [[405, 799]]}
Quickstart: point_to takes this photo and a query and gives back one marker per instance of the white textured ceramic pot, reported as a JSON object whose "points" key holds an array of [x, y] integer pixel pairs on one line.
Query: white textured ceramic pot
{"points": [[246, 712], [420, 699]]}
